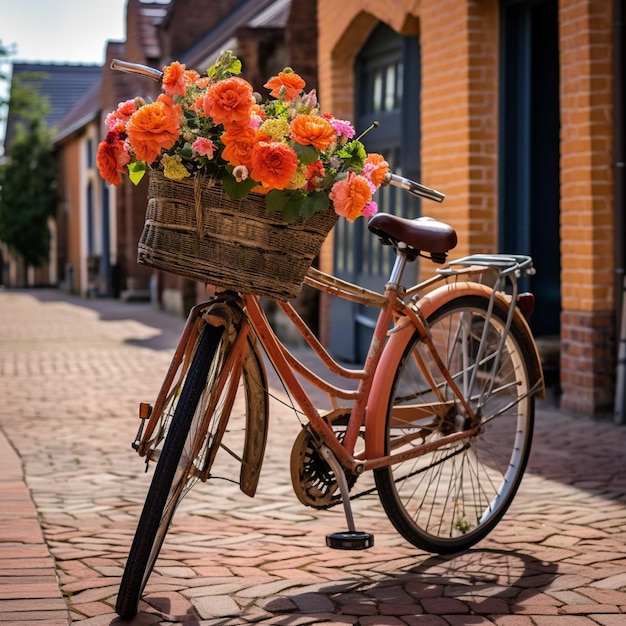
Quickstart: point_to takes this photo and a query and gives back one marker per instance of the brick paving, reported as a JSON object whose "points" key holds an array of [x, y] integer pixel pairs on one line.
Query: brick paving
{"points": [[71, 374]]}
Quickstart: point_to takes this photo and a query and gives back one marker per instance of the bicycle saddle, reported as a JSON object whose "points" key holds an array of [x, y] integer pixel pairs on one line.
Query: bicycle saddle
{"points": [[423, 234]]}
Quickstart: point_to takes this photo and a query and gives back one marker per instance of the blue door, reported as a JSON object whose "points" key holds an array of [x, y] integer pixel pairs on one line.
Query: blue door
{"points": [[529, 150], [387, 91]]}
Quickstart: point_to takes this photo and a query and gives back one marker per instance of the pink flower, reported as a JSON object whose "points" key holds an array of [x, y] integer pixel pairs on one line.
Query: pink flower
{"points": [[204, 147], [255, 121], [342, 127], [371, 208], [351, 197], [116, 120]]}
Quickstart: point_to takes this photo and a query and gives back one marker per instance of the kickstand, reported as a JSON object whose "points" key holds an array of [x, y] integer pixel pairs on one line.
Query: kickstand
{"points": [[350, 539]]}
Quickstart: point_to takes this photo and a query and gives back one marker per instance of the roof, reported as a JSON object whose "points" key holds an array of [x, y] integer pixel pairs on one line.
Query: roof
{"points": [[84, 111], [253, 14], [63, 85], [149, 17]]}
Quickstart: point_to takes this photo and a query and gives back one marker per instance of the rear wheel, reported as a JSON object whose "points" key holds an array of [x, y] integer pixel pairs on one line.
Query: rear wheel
{"points": [[176, 469], [446, 500]]}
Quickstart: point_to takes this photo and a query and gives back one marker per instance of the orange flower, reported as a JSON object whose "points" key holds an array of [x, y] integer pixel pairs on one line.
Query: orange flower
{"points": [[112, 158], [286, 85], [314, 173], [191, 77], [175, 109], [174, 79], [375, 168], [313, 130], [350, 196], [273, 164], [238, 145], [229, 101], [202, 82], [154, 127], [258, 110]]}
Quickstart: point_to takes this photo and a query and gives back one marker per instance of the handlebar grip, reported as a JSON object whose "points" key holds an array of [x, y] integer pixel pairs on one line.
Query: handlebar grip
{"points": [[136, 68], [416, 189]]}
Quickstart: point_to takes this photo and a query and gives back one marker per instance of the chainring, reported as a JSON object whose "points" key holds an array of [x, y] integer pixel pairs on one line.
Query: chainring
{"points": [[313, 480]]}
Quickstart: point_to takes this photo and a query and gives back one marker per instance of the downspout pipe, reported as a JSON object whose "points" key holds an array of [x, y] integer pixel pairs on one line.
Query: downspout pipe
{"points": [[619, 78]]}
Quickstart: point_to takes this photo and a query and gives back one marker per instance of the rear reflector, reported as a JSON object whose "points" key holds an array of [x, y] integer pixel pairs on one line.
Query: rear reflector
{"points": [[526, 303]]}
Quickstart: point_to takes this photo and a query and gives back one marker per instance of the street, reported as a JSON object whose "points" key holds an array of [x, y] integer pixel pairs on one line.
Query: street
{"points": [[72, 373]]}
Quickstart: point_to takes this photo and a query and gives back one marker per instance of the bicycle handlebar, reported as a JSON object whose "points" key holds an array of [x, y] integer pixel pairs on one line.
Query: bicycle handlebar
{"points": [[416, 189], [407, 184], [136, 68]]}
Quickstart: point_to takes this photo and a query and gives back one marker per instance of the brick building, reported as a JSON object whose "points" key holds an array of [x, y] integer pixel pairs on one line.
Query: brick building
{"points": [[516, 102]]}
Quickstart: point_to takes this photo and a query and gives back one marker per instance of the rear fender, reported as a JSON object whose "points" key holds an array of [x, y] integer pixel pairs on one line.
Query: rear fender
{"points": [[402, 333]]}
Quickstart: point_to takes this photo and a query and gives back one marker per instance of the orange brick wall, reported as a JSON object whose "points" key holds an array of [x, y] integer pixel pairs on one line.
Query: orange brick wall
{"points": [[459, 149], [586, 155], [459, 46], [587, 209], [459, 43]]}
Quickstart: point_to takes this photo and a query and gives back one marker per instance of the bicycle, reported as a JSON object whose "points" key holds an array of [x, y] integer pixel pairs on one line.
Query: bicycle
{"points": [[446, 436]]}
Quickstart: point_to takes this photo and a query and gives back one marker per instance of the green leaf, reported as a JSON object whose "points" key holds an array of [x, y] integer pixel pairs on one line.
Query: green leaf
{"points": [[306, 154], [227, 64], [136, 170], [236, 190], [353, 154], [287, 202], [235, 67], [313, 203]]}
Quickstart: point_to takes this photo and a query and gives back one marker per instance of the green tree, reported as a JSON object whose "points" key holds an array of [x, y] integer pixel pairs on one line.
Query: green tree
{"points": [[27, 178], [27, 194]]}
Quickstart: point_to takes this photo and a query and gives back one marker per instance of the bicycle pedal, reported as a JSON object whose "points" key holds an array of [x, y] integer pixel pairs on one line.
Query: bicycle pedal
{"points": [[350, 540]]}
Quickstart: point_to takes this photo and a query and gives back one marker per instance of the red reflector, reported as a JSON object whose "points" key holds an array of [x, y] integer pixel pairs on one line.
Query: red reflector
{"points": [[145, 410], [526, 303]]}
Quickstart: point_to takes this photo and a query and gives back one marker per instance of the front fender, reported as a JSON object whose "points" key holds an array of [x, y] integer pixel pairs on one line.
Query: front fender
{"points": [[255, 379]]}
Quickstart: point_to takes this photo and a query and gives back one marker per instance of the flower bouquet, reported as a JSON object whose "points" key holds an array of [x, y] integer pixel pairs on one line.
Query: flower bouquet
{"points": [[215, 152]]}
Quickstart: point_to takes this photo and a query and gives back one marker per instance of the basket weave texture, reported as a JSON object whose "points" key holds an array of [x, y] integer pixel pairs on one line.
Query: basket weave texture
{"points": [[195, 230]]}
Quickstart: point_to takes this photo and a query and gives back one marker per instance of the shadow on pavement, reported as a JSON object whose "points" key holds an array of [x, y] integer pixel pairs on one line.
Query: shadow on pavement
{"points": [[477, 582], [168, 327]]}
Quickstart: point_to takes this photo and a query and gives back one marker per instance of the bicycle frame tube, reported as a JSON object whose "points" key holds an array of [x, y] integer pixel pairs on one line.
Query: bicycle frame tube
{"points": [[276, 353]]}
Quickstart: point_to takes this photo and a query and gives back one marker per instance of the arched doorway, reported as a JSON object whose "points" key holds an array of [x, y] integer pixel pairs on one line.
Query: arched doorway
{"points": [[387, 91]]}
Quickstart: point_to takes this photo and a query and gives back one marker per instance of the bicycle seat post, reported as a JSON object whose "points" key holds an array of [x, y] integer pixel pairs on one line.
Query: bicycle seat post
{"points": [[398, 267]]}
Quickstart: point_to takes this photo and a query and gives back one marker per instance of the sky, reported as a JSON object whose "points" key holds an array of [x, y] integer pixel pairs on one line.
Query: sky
{"points": [[61, 30], [74, 31]]}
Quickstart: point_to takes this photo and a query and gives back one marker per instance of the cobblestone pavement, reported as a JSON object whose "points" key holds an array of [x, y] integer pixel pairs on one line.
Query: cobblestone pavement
{"points": [[71, 374]]}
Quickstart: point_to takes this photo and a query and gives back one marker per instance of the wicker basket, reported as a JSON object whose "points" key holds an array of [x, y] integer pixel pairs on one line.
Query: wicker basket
{"points": [[195, 230]]}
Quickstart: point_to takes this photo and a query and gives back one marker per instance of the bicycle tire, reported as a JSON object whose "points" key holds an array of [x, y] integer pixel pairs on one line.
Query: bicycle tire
{"points": [[449, 499], [168, 486]]}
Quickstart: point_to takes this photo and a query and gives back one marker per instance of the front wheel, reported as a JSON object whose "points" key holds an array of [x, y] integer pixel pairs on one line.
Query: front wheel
{"points": [[448, 499], [176, 467]]}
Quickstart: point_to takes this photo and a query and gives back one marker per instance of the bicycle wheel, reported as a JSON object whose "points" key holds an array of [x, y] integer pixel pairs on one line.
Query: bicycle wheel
{"points": [[450, 498], [174, 473]]}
